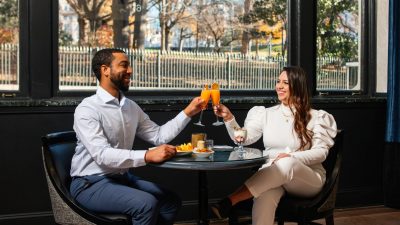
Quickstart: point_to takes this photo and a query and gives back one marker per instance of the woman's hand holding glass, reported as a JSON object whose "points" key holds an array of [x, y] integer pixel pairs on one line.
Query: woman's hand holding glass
{"points": [[222, 111]]}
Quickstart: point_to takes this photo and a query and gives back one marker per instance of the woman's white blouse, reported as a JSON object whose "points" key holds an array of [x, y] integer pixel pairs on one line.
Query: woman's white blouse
{"points": [[275, 125]]}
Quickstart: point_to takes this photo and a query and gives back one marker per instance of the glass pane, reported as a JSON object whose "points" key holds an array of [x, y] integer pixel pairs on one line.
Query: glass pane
{"points": [[382, 39], [338, 38], [9, 40], [176, 44]]}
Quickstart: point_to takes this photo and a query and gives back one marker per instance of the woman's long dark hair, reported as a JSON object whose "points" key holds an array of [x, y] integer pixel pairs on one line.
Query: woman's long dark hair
{"points": [[300, 100]]}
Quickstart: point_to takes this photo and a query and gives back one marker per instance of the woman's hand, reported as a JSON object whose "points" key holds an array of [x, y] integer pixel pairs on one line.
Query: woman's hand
{"points": [[223, 111], [280, 156]]}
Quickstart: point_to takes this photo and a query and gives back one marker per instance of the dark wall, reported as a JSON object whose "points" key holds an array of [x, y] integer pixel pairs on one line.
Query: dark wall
{"points": [[23, 189]]}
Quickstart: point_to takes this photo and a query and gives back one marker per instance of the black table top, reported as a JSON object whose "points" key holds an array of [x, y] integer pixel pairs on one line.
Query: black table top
{"points": [[223, 158]]}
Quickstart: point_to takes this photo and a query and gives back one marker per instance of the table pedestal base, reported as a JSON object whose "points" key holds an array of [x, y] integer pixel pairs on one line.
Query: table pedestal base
{"points": [[203, 198]]}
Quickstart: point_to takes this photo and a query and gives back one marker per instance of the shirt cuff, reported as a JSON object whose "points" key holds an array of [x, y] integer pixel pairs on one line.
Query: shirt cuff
{"points": [[183, 117], [232, 123], [139, 158]]}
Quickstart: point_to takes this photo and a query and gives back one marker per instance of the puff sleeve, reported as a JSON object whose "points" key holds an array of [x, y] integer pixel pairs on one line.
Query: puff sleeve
{"points": [[325, 129]]}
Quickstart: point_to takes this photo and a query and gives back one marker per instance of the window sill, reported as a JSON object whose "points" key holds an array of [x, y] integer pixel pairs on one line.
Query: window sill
{"points": [[170, 101]]}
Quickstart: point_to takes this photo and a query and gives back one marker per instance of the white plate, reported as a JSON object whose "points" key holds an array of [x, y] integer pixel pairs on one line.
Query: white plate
{"points": [[183, 153], [202, 154]]}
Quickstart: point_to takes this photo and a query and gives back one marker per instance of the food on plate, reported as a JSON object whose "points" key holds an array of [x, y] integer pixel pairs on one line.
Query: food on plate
{"points": [[203, 150], [202, 153], [186, 147], [200, 144]]}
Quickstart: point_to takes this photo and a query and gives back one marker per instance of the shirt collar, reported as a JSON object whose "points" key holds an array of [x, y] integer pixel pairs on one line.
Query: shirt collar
{"points": [[286, 109], [107, 97]]}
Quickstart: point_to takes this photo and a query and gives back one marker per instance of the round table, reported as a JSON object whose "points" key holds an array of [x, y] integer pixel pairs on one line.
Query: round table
{"points": [[224, 158]]}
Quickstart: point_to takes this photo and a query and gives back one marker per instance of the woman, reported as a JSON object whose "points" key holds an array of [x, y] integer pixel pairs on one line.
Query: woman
{"points": [[297, 139]]}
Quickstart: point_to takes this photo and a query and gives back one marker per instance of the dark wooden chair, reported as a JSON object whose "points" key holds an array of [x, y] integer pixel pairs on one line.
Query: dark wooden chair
{"points": [[57, 150], [305, 210]]}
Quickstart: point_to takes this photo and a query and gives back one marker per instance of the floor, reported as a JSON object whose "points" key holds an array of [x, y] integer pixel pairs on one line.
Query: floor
{"points": [[376, 215]]}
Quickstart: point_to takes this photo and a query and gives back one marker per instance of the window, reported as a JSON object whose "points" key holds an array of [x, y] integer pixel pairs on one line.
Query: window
{"points": [[9, 46], [241, 44], [176, 44], [338, 45]]}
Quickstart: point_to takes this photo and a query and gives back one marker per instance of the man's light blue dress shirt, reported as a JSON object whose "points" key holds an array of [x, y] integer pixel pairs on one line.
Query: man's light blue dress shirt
{"points": [[106, 129]]}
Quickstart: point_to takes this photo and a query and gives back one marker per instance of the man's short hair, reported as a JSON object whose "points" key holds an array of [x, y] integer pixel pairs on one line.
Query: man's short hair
{"points": [[103, 57]]}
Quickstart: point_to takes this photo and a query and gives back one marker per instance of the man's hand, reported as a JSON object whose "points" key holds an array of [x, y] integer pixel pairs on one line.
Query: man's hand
{"points": [[160, 153], [194, 107]]}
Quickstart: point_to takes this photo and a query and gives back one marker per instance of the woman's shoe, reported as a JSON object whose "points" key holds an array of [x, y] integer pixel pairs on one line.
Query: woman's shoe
{"points": [[222, 208]]}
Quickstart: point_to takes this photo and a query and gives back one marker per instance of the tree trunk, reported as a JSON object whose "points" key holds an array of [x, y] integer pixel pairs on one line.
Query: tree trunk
{"points": [[245, 43], [166, 38], [82, 31], [197, 36], [120, 17], [163, 23], [140, 24], [181, 39], [248, 4], [257, 47]]}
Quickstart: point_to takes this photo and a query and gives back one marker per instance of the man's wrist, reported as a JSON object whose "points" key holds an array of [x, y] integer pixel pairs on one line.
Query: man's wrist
{"points": [[145, 155], [187, 112]]}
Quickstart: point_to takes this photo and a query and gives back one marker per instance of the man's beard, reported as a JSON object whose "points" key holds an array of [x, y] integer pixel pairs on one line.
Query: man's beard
{"points": [[119, 83]]}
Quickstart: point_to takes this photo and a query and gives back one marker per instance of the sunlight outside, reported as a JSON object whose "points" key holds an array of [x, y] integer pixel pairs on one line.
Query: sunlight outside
{"points": [[184, 44]]}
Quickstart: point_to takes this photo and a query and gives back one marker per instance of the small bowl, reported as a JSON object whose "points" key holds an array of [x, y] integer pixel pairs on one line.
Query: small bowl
{"points": [[202, 154]]}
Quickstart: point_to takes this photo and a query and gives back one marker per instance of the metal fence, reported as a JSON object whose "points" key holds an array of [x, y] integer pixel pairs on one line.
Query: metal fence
{"points": [[184, 70], [9, 67]]}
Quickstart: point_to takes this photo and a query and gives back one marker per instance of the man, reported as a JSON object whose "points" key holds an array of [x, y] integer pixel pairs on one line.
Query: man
{"points": [[106, 124]]}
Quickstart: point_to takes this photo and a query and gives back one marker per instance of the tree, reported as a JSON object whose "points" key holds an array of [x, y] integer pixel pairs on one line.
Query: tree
{"points": [[219, 24], [271, 12], [140, 22], [248, 6], [214, 22], [336, 28], [8, 21], [120, 17], [89, 17], [64, 38], [9, 13], [186, 29], [171, 13]]}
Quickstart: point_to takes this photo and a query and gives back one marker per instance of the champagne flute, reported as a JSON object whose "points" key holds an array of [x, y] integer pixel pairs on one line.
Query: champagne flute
{"points": [[205, 95], [215, 96], [240, 135]]}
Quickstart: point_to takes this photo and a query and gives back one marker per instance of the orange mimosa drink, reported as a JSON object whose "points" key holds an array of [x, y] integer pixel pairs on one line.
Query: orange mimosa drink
{"points": [[205, 95], [215, 96]]}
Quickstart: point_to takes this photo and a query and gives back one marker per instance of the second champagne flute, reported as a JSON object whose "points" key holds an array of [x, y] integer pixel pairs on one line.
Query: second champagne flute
{"points": [[216, 96], [205, 95]]}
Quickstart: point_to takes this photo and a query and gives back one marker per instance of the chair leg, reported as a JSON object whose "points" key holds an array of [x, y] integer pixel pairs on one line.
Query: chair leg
{"points": [[329, 220]]}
